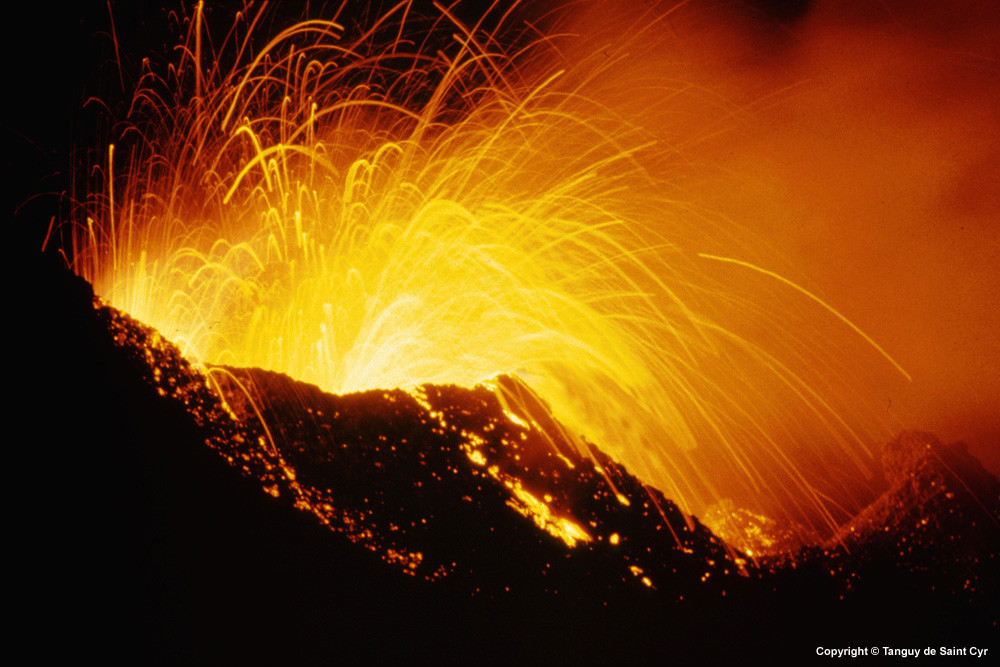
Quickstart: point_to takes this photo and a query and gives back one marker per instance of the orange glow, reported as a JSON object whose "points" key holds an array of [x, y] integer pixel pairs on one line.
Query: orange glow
{"points": [[528, 505], [359, 211]]}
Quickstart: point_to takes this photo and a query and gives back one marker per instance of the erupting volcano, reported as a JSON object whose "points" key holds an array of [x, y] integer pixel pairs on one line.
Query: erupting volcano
{"points": [[439, 313]]}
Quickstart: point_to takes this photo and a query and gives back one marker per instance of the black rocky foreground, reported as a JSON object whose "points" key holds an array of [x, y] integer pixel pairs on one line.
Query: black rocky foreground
{"points": [[288, 525]]}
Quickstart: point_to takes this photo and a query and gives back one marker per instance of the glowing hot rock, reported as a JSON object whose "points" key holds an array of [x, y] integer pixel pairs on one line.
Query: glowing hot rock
{"points": [[411, 204]]}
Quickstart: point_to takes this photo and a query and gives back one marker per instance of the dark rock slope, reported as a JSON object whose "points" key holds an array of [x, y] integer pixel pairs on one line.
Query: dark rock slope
{"points": [[281, 524]]}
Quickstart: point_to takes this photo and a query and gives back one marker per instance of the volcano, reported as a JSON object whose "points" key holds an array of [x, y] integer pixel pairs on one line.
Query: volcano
{"points": [[543, 333], [239, 515]]}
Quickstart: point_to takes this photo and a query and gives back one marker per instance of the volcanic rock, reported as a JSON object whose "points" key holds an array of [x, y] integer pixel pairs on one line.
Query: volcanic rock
{"points": [[934, 533], [236, 515]]}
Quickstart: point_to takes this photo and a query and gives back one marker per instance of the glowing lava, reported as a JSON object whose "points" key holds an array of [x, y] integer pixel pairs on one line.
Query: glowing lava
{"points": [[432, 203]]}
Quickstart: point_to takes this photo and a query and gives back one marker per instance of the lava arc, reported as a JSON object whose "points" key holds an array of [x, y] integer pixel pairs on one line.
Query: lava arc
{"points": [[423, 200]]}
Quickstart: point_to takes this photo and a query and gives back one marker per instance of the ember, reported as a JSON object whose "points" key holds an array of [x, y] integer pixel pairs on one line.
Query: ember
{"points": [[385, 204]]}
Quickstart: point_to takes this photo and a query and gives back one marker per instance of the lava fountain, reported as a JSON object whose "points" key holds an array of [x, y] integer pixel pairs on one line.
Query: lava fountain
{"points": [[420, 199]]}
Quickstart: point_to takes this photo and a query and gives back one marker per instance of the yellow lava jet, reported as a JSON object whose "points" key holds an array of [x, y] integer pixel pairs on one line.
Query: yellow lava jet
{"points": [[414, 203]]}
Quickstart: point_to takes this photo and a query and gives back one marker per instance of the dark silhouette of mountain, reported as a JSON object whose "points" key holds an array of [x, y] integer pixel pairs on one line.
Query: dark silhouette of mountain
{"points": [[287, 525]]}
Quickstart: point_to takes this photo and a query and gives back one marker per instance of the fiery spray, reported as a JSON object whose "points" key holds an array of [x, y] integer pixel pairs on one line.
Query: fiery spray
{"points": [[436, 202]]}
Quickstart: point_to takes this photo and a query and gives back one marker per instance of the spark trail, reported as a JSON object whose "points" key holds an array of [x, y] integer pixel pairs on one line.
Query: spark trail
{"points": [[424, 201]]}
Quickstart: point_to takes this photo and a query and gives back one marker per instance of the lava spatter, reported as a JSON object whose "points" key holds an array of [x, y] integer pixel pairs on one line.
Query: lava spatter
{"points": [[367, 202]]}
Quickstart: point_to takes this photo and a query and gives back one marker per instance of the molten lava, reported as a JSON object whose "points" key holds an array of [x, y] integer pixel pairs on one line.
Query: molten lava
{"points": [[410, 202]]}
